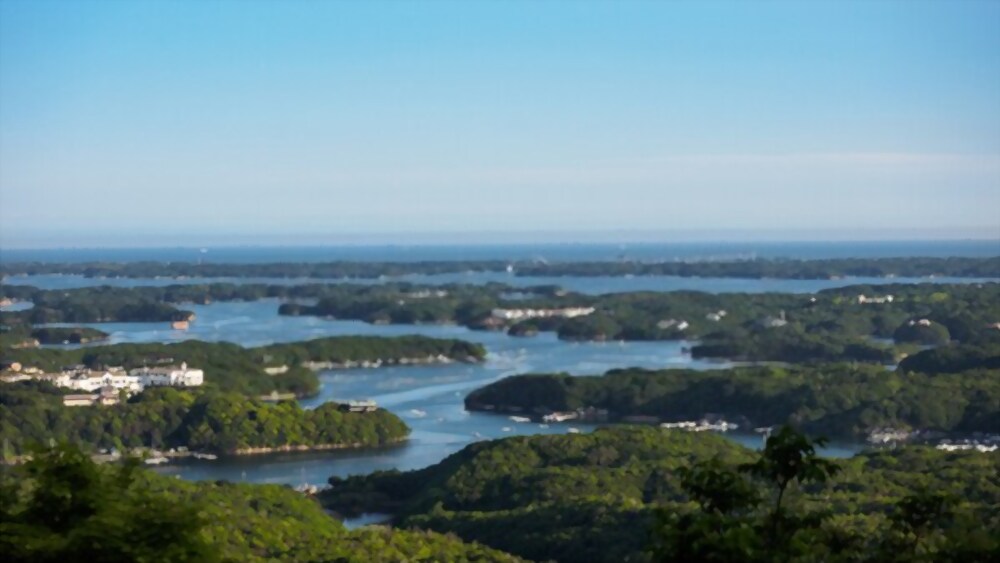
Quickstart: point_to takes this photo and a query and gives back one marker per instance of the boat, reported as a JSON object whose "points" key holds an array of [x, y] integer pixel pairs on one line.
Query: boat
{"points": [[155, 460], [520, 419], [573, 431], [417, 413], [507, 429], [543, 425]]}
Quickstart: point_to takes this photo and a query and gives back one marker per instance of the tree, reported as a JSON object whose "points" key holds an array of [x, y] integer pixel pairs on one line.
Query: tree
{"points": [[788, 457], [70, 509]]}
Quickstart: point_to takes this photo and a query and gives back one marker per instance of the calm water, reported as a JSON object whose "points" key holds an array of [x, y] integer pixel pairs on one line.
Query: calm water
{"points": [[560, 252], [587, 285]]}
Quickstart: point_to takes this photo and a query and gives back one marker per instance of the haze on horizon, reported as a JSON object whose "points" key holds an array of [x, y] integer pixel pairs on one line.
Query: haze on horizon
{"points": [[166, 123]]}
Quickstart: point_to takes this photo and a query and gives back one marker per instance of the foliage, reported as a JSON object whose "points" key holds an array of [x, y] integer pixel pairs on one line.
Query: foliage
{"points": [[622, 492], [74, 510], [32, 413], [830, 325], [233, 368], [61, 506], [839, 400]]}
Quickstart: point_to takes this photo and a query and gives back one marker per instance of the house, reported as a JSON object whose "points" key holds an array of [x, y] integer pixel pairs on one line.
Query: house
{"points": [[95, 380], [559, 416], [14, 377], [80, 400], [862, 299], [359, 406], [173, 376], [180, 325], [109, 396], [672, 323], [771, 322], [920, 322], [521, 314], [10, 366]]}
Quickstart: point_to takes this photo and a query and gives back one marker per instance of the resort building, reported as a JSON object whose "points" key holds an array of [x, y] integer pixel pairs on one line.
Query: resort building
{"points": [[862, 299], [359, 406], [173, 376], [521, 314]]}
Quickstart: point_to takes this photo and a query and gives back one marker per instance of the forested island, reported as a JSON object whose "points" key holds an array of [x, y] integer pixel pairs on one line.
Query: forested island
{"points": [[877, 324], [647, 494], [60, 506], [26, 337], [281, 368], [755, 269], [836, 400], [32, 413]]}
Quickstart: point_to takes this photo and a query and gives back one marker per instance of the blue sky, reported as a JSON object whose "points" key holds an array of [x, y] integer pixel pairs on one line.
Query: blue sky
{"points": [[203, 122]]}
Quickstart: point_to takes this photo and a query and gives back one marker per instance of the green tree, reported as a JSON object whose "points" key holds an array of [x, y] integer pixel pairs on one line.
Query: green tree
{"points": [[70, 509]]}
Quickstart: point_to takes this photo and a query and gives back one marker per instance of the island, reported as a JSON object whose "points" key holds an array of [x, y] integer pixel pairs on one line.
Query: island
{"points": [[286, 368], [844, 401], [196, 420]]}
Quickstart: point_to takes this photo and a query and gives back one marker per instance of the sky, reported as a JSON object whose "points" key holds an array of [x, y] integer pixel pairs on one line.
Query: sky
{"points": [[158, 123]]}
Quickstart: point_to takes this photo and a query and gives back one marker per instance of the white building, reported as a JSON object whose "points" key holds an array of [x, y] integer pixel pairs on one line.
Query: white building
{"points": [[672, 323], [92, 381], [174, 376], [883, 299], [520, 314]]}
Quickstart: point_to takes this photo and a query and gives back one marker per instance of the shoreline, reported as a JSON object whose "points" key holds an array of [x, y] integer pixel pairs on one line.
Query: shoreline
{"points": [[170, 456]]}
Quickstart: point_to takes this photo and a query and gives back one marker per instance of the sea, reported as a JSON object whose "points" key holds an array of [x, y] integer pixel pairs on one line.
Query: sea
{"points": [[562, 252]]}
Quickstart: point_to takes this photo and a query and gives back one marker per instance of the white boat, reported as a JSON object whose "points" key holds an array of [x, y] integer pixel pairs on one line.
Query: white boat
{"points": [[573, 431], [543, 425], [507, 429], [520, 419], [156, 460], [417, 413]]}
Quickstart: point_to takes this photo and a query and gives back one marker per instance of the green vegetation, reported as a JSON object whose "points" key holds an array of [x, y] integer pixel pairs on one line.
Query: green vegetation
{"points": [[777, 268], [831, 325], [60, 506], [923, 332], [68, 335], [344, 349], [21, 336], [162, 418], [233, 368], [838, 400], [954, 359], [89, 305], [633, 493], [741, 515]]}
